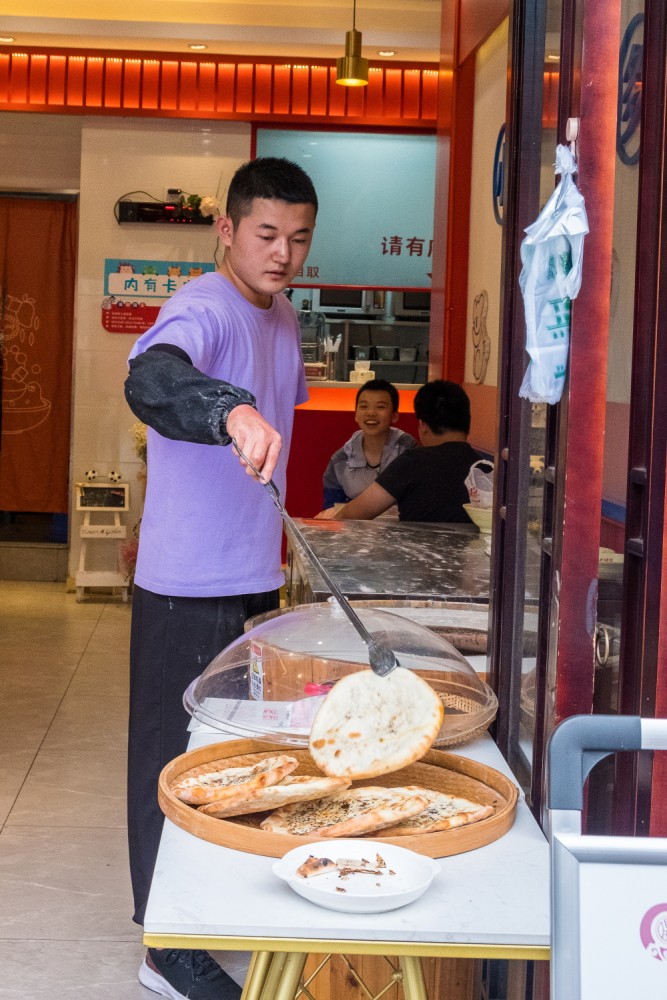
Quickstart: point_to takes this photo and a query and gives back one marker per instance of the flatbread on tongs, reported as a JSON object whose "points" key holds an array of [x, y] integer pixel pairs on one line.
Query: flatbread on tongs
{"points": [[369, 725]]}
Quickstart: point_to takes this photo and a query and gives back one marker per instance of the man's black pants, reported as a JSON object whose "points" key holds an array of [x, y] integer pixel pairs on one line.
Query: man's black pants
{"points": [[173, 640]]}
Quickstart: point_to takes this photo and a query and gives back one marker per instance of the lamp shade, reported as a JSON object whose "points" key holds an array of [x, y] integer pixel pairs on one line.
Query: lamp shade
{"points": [[352, 68]]}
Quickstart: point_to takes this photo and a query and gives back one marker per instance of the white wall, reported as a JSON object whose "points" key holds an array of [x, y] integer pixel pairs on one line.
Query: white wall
{"points": [[104, 158], [485, 233], [118, 157], [39, 152]]}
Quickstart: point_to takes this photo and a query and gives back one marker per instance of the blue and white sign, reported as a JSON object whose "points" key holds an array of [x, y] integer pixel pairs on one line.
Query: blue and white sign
{"points": [[376, 195], [149, 279]]}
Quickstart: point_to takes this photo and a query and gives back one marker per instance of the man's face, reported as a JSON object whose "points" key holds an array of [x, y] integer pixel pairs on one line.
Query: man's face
{"points": [[374, 413], [267, 248]]}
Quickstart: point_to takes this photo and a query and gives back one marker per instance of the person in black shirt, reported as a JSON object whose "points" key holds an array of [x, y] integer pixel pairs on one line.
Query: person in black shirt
{"points": [[428, 483]]}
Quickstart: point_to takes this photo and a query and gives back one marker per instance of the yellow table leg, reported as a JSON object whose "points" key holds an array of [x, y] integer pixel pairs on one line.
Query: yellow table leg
{"points": [[414, 986], [273, 976], [291, 977], [260, 963]]}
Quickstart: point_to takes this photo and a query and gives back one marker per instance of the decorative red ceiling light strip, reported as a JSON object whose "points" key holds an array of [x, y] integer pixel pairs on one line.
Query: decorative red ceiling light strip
{"points": [[242, 89]]}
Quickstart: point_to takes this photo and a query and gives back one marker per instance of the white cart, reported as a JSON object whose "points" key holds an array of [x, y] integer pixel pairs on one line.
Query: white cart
{"points": [[608, 894]]}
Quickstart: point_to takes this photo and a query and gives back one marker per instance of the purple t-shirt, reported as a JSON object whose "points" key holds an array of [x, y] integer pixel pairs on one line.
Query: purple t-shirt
{"points": [[209, 529]]}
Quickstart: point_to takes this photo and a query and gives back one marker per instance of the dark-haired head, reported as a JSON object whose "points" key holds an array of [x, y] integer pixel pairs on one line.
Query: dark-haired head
{"points": [[443, 406], [380, 385], [268, 177]]}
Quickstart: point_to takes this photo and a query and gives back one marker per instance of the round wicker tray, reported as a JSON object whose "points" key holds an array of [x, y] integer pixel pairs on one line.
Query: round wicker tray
{"points": [[442, 771]]}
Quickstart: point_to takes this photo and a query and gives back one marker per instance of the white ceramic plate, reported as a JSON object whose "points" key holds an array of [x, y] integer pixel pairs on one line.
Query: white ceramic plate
{"points": [[364, 893]]}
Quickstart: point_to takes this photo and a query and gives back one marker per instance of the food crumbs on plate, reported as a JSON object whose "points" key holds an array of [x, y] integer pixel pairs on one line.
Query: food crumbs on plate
{"points": [[314, 866], [344, 867], [340, 889]]}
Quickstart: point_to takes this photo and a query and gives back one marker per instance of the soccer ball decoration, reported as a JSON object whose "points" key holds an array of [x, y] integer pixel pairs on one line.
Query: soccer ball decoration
{"points": [[90, 475], [114, 477]]}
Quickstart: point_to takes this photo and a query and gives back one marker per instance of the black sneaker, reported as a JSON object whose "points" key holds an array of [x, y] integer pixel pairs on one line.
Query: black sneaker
{"points": [[179, 974]]}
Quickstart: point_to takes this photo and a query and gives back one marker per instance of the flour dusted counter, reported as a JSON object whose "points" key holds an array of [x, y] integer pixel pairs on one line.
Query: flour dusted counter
{"points": [[390, 559]]}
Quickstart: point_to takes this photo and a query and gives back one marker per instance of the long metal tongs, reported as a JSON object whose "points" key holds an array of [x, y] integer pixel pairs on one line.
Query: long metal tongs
{"points": [[381, 658]]}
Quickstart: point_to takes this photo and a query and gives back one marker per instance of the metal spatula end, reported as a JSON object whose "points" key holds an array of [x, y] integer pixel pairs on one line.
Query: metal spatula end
{"points": [[381, 658]]}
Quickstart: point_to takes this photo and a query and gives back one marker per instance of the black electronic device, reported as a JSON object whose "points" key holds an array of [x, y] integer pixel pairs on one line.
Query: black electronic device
{"points": [[163, 212]]}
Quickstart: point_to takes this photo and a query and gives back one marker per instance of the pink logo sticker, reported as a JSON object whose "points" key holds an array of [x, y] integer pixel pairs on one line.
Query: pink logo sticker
{"points": [[653, 931]]}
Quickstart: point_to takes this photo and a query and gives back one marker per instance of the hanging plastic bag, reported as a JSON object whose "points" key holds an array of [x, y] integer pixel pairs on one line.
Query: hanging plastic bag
{"points": [[480, 484], [552, 257]]}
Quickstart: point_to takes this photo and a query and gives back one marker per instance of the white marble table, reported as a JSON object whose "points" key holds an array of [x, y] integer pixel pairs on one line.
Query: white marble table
{"points": [[491, 902]]}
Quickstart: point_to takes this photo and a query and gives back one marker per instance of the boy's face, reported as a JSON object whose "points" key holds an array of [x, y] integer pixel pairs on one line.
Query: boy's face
{"points": [[374, 413], [267, 248]]}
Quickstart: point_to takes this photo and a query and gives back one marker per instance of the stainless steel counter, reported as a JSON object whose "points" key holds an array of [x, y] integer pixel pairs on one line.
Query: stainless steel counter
{"points": [[386, 558]]}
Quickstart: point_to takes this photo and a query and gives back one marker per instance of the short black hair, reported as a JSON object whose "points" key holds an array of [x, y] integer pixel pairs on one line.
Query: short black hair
{"points": [[268, 177], [379, 385], [443, 406]]}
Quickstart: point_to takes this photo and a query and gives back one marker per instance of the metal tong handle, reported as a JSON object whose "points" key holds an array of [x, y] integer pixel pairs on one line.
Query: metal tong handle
{"points": [[381, 658]]}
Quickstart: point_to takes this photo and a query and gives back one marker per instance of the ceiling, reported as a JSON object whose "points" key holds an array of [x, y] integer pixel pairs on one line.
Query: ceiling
{"points": [[309, 29]]}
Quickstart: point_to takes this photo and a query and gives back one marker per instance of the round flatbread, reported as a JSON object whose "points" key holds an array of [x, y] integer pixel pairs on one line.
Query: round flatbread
{"points": [[220, 779], [443, 812], [369, 725], [293, 788], [348, 814]]}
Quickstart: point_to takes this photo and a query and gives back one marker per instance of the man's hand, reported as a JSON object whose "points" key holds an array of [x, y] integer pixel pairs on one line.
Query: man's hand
{"points": [[331, 513], [256, 438]]}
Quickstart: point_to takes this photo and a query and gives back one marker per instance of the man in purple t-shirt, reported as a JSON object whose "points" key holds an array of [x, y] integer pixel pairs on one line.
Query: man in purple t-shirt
{"points": [[222, 362]]}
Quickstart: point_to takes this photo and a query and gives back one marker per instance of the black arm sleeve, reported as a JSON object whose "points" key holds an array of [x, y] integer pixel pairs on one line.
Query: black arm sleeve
{"points": [[173, 397]]}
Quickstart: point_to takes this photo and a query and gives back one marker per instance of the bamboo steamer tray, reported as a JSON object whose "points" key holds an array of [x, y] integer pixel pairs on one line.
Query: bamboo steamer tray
{"points": [[439, 770]]}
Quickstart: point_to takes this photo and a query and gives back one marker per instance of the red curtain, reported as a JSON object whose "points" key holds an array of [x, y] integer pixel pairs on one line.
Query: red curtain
{"points": [[37, 272]]}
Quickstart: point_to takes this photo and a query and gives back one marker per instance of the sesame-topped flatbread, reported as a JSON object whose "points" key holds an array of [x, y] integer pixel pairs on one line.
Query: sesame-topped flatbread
{"points": [[443, 812], [369, 725], [293, 788], [216, 781], [348, 814]]}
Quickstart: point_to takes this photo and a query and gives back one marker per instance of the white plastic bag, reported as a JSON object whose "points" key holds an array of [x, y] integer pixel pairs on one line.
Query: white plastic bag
{"points": [[552, 257], [480, 484]]}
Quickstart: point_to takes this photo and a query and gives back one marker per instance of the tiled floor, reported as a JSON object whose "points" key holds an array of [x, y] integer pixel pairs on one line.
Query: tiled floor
{"points": [[65, 900]]}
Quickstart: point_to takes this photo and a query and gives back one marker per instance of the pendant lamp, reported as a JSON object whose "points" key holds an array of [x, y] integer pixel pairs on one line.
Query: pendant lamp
{"points": [[352, 69]]}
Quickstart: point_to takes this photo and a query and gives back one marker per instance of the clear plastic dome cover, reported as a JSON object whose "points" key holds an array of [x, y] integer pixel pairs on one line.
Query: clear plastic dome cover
{"points": [[270, 683]]}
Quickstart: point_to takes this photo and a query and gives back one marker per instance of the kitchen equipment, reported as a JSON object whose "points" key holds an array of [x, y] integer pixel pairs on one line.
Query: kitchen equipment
{"points": [[261, 685], [445, 772], [385, 353], [360, 375], [481, 516], [380, 657], [465, 626], [408, 353], [361, 352], [315, 370], [312, 326]]}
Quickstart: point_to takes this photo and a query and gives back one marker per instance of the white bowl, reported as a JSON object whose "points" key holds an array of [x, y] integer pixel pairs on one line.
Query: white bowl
{"points": [[407, 877], [482, 517]]}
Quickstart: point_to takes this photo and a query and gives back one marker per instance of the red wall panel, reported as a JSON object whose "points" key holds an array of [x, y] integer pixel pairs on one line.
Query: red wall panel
{"points": [[180, 86], [94, 83], [113, 83]]}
